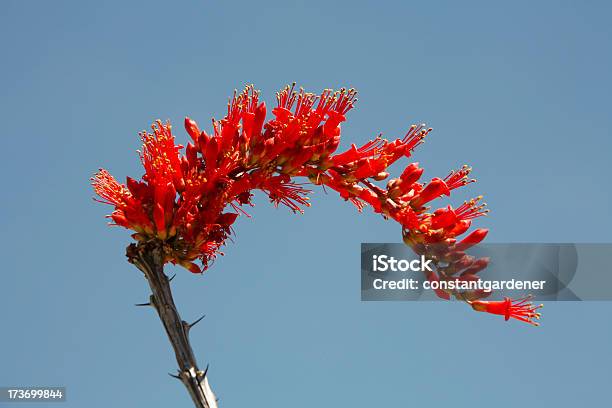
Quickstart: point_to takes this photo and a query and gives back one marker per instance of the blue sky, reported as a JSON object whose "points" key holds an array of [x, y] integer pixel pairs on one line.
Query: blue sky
{"points": [[519, 91]]}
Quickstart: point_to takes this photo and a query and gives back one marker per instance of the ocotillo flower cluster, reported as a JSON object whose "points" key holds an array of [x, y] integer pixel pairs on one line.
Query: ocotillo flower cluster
{"points": [[189, 197]]}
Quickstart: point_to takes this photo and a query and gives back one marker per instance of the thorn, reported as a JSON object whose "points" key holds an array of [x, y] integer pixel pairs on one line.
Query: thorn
{"points": [[143, 304], [174, 376], [197, 321], [203, 375]]}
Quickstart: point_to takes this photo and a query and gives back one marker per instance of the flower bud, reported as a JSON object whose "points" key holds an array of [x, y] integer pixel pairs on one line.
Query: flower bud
{"points": [[433, 190], [192, 128], [472, 239], [190, 266], [411, 175]]}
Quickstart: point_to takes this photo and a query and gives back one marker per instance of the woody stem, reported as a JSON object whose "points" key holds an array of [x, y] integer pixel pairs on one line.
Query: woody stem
{"points": [[149, 258]]}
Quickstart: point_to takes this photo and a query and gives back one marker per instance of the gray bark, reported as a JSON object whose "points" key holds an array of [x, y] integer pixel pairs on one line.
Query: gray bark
{"points": [[148, 257]]}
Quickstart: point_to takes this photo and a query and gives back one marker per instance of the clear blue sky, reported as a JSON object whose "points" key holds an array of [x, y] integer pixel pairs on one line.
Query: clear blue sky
{"points": [[520, 91]]}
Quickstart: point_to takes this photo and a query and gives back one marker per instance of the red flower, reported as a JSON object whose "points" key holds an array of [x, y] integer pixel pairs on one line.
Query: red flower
{"points": [[520, 309], [183, 196]]}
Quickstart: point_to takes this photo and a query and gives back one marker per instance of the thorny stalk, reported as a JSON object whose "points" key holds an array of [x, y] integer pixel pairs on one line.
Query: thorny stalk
{"points": [[148, 257]]}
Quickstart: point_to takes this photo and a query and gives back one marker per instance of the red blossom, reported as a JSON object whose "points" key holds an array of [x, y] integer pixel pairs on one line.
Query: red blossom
{"points": [[520, 309], [183, 197]]}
